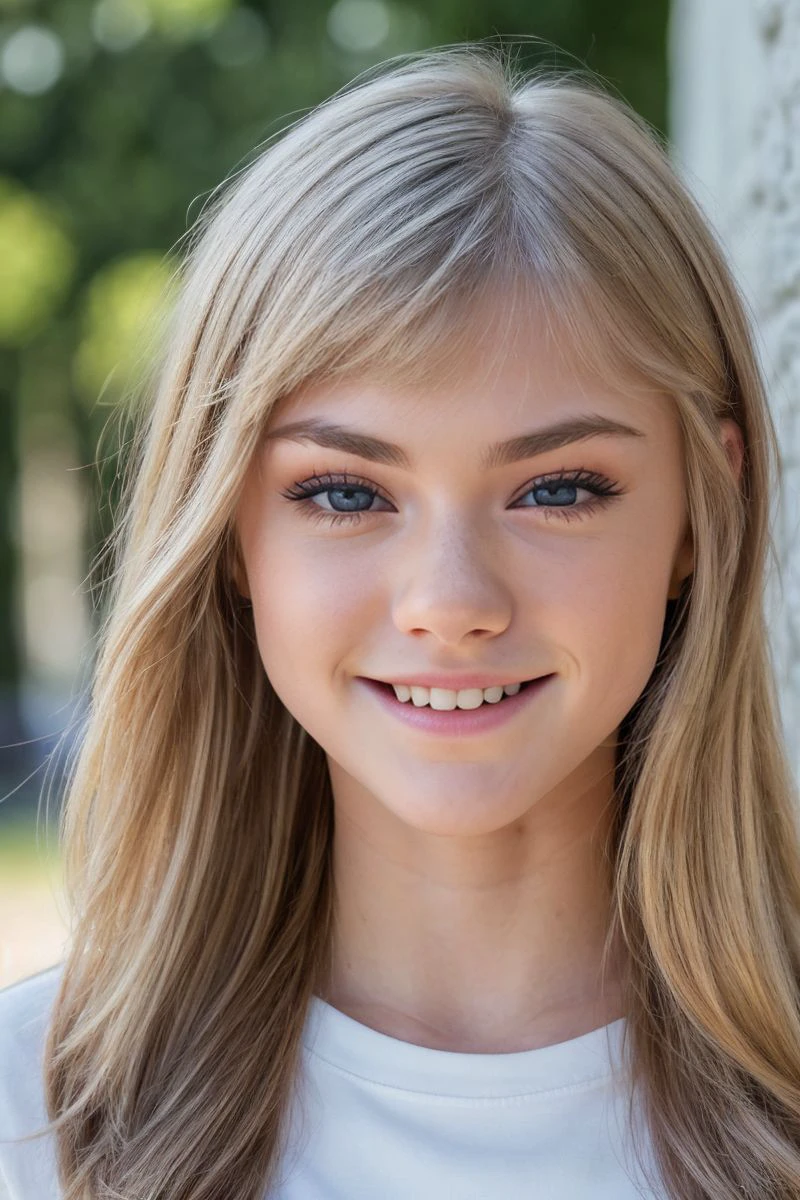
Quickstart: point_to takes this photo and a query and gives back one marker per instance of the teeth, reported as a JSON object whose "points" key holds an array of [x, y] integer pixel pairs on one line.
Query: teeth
{"points": [[444, 699]]}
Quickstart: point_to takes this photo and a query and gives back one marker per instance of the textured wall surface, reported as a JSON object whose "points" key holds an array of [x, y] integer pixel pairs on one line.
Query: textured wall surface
{"points": [[735, 129]]}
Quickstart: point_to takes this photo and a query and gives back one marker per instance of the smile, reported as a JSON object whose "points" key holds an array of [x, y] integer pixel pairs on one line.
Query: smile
{"points": [[445, 699], [457, 720]]}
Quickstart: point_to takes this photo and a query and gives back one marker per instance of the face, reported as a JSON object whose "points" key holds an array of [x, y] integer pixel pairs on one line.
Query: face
{"points": [[558, 564]]}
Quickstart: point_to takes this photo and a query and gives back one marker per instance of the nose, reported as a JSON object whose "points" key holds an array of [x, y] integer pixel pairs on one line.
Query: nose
{"points": [[452, 585]]}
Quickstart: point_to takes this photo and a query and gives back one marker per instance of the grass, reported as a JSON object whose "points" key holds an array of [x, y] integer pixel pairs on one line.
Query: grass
{"points": [[25, 850], [32, 913]]}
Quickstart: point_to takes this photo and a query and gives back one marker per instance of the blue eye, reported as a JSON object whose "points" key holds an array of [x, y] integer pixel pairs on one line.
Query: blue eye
{"points": [[351, 497], [557, 493]]}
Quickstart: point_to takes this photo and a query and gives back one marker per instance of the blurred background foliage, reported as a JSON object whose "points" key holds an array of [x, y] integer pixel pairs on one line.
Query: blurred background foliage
{"points": [[117, 119]]}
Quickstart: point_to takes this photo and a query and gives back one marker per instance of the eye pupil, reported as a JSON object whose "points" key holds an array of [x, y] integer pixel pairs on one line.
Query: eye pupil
{"points": [[349, 493], [561, 493]]}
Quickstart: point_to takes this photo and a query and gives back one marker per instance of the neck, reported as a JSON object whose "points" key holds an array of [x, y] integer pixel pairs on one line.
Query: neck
{"points": [[483, 944]]}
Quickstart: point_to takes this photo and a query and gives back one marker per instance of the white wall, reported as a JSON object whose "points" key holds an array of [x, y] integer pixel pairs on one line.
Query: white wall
{"points": [[735, 129]]}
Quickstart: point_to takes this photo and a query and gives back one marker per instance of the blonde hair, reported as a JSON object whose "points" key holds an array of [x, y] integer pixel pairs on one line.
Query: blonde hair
{"points": [[198, 819]]}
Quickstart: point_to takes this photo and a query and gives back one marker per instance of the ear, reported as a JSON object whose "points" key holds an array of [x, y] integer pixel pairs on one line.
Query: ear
{"points": [[733, 444]]}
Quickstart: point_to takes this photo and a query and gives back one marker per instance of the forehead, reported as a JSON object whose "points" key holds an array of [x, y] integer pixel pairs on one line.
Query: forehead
{"points": [[512, 376]]}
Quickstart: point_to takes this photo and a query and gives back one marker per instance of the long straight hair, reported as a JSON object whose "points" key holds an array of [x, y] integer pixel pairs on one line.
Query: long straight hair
{"points": [[198, 817]]}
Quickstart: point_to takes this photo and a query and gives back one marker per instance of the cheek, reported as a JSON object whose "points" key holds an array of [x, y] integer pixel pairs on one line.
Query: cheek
{"points": [[618, 610], [309, 604]]}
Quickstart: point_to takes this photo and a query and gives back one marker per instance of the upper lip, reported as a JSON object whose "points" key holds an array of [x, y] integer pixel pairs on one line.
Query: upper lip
{"points": [[455, 683]]}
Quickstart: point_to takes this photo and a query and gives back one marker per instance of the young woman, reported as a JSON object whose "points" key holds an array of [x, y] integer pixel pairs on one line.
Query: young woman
{"points": [[432, 834]]}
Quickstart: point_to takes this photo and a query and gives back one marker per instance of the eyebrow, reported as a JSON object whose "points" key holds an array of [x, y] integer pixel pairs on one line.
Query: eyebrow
{"points": [[500, 454]]}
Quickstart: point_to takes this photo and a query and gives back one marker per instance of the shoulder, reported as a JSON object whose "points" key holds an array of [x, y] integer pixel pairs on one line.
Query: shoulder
{"points": [[26, 1168], [25, 1009]]}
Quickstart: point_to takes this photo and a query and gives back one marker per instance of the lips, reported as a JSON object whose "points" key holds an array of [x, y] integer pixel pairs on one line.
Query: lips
{"points": [[457, 722]]}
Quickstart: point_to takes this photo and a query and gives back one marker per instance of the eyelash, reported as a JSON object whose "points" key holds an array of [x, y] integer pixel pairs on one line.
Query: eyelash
{"points": [[603, 489]]}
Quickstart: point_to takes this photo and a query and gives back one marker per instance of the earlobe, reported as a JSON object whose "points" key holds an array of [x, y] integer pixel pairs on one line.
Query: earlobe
{"points": [[733, 445]]}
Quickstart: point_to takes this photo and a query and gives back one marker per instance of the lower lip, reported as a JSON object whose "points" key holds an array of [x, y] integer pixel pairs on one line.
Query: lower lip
{"points": [[456, 722]]}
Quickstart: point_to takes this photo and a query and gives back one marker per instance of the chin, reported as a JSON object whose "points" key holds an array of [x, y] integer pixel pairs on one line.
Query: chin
{"points": [[460, 817]]}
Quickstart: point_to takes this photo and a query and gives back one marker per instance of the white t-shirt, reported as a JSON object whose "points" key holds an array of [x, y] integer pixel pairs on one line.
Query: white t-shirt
{"points": [[382, 1119]]}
